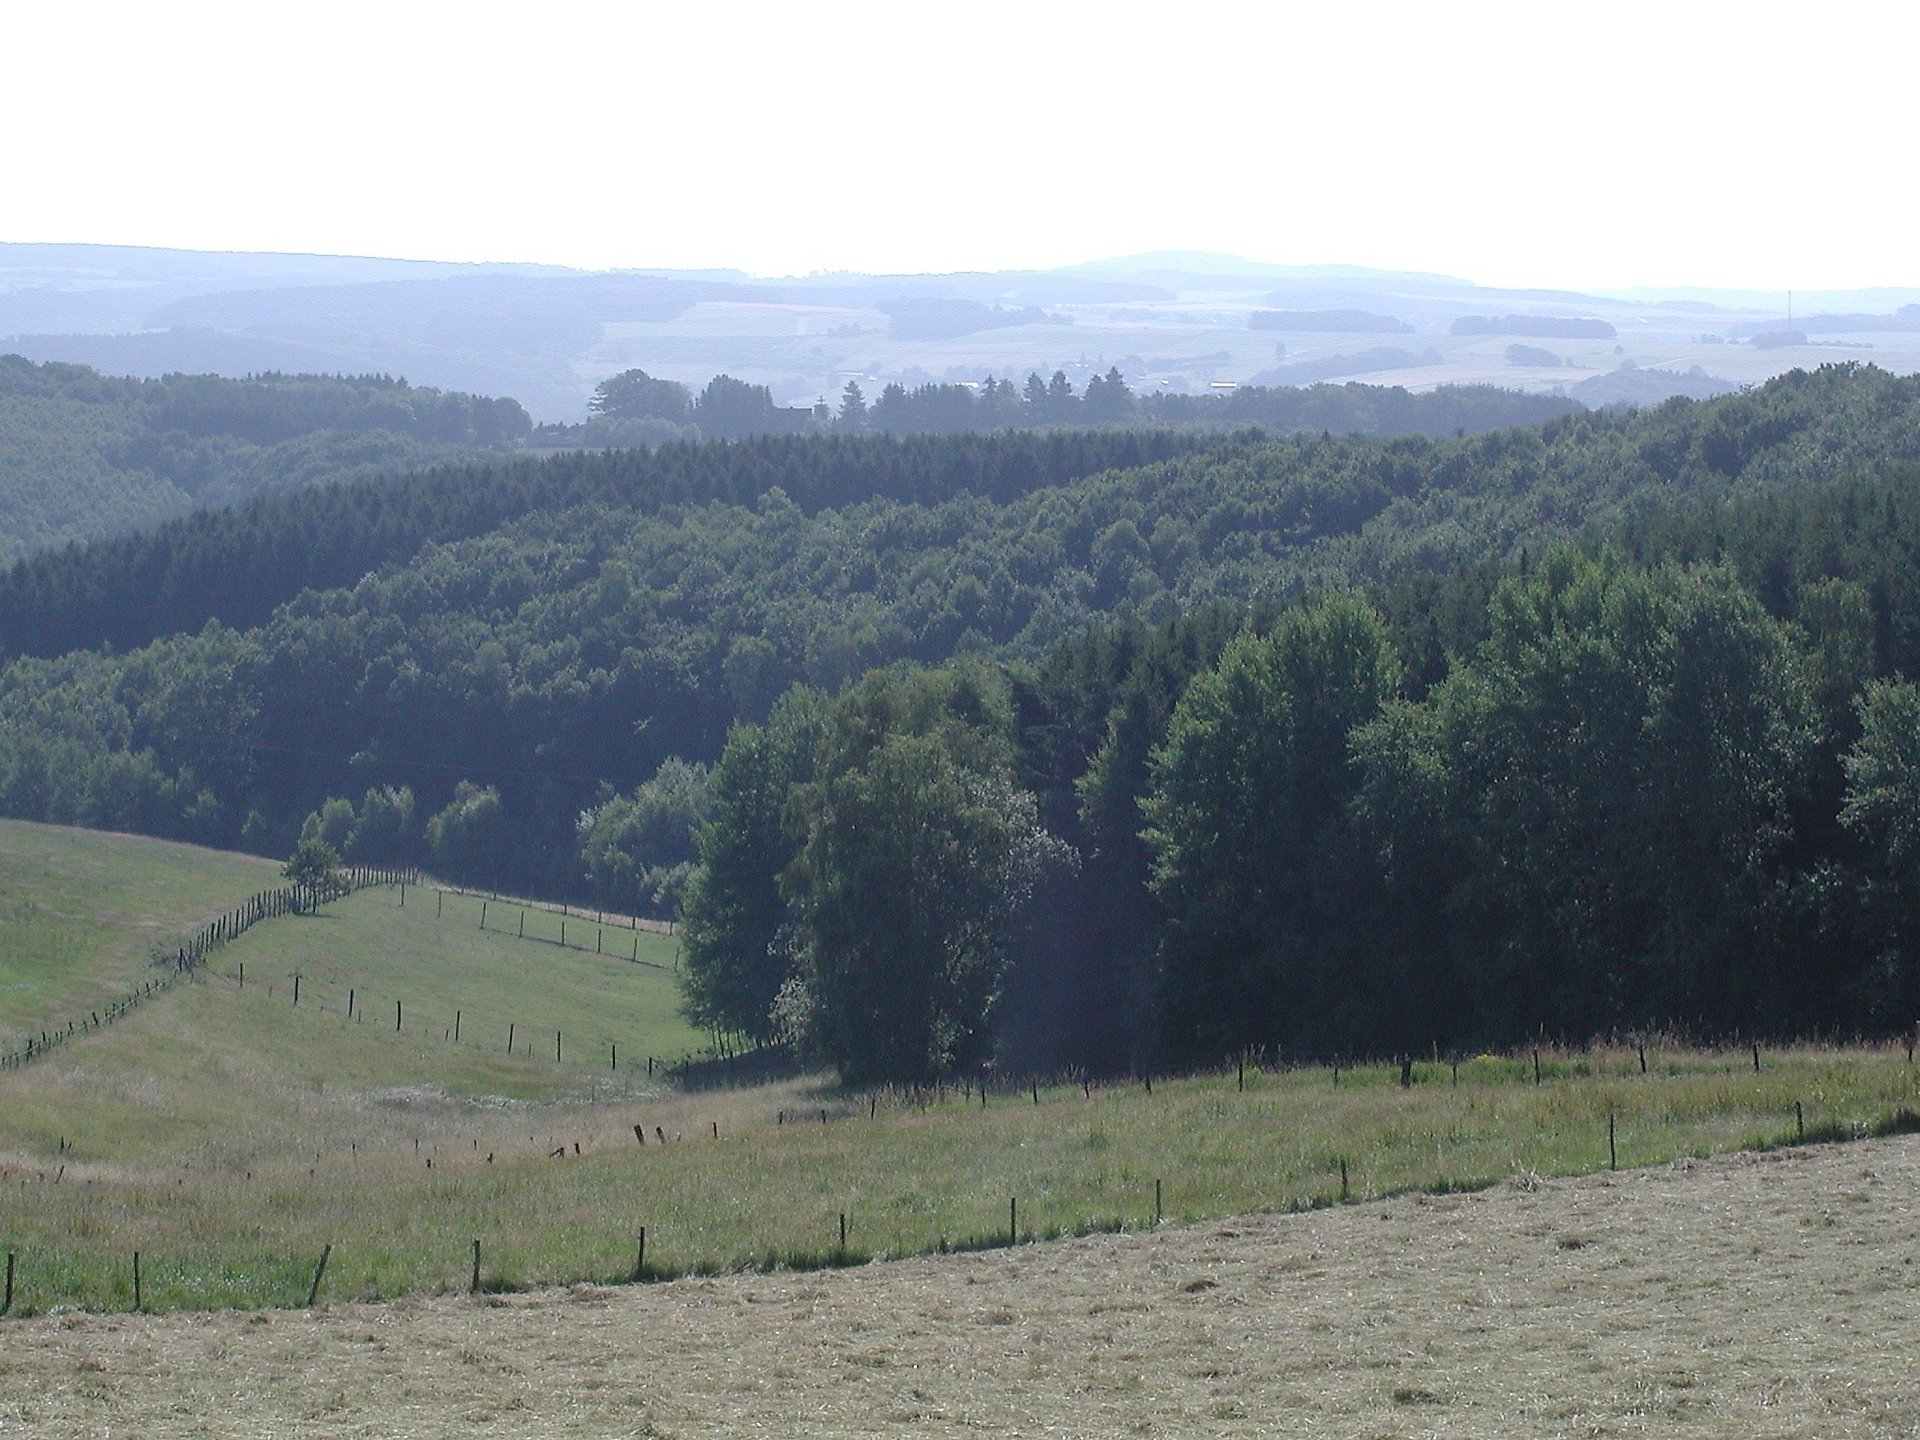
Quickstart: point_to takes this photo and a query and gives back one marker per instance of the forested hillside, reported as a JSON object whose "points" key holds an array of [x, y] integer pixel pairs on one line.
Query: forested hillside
{"points": [[236, 566], [1314, 742], [85, 455]]}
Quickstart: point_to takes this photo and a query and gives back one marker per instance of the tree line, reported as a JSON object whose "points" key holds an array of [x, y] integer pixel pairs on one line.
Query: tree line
{"points": [[1637, 798], [635, 408]]}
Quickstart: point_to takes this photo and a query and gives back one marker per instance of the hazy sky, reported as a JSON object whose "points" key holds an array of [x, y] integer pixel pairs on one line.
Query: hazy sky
{"points": [[1585, 146]]}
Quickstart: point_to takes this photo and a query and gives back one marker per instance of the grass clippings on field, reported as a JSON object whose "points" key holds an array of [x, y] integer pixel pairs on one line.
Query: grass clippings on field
{"points": [[1745, 1295]]}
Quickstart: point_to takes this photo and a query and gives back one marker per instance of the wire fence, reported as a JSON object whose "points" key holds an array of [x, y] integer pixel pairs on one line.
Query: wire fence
{"points": [[185, 958]]}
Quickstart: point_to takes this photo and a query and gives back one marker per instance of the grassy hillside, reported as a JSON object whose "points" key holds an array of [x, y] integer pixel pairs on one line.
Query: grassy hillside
{"points": [[81, 910], [84, 909], [154, 1131]]}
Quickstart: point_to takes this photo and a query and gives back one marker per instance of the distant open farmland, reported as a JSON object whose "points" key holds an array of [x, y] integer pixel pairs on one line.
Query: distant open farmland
{"points": [[1745, 1295]]}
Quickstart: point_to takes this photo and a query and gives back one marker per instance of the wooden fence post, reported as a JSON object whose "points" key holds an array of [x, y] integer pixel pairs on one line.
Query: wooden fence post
{"points": [[314, 1291], [475, 1289]]}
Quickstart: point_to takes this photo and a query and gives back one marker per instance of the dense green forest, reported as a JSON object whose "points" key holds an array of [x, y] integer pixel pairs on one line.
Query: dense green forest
{"points": [[84, 455], [1096, 747], [236, 566], [1671, 784]]}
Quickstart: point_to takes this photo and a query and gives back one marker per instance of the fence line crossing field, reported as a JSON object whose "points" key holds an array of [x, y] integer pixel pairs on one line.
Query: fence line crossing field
{"points": [[1750, 1294], [80, 910], [441, 1081]]}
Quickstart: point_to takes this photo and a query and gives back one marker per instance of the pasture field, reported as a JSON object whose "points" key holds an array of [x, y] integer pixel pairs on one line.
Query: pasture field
{"points": [[80, 909], [1753, 1295], [228, 1135]]}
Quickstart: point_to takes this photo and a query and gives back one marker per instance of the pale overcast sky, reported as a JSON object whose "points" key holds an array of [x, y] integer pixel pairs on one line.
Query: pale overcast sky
{"points": [[1585, 146]]}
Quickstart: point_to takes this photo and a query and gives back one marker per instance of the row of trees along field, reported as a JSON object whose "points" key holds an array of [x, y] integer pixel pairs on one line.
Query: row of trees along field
{"points": [[1640, 800], [635, 408], [508, 699]]}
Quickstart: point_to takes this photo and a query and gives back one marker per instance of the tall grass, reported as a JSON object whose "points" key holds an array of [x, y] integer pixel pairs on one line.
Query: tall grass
{"points": [[234, 1208]]}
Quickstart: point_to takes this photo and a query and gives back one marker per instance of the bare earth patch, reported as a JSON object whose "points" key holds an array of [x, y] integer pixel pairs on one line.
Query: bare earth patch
{"points": [[1753, 1295]]}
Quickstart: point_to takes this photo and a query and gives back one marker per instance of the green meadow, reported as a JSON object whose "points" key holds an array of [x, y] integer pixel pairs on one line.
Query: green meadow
{"points": [[81, 909], [228, 1135]]}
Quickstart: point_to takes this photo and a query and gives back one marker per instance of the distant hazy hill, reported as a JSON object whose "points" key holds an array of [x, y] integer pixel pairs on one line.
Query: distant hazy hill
{"points": [[83, 455], [1648, 387], [1176, 323]]}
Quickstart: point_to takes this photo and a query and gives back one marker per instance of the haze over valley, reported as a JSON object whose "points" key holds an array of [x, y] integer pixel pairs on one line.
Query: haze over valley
{"points": [[1170, 323]]}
